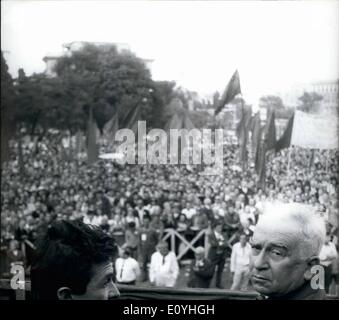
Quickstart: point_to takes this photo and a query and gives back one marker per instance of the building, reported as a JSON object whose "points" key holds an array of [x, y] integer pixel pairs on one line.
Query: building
{"points": [[70, 47], [329, 90]]}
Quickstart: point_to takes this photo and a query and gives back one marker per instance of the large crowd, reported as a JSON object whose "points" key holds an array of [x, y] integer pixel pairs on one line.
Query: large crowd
{"points": [[127, 200]]}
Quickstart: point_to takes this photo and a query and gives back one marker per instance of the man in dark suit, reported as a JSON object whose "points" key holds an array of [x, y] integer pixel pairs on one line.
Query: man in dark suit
{"points": [[201, 272], [218, 250]]}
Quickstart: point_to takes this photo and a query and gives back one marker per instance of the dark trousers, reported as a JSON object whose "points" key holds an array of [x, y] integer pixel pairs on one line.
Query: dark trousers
{"points": [[328, 277], [144, 259], [218, 260]]}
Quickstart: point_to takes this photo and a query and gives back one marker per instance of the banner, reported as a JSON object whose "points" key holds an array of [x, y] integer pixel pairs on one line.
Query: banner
{"points": [[315, 131]]}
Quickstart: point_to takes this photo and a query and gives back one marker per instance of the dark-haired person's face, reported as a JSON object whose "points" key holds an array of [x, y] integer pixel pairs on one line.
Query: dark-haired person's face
{"points": [[101, 285]]}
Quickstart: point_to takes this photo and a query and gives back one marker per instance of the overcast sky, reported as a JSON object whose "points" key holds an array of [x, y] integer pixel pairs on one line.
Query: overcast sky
{"points": [[198, 44]]}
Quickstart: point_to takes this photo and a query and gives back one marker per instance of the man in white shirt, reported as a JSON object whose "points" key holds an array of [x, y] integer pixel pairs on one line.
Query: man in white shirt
{"points": [[164, 268], [327, 256], [189, 211], [127, 269], [240, 263]]}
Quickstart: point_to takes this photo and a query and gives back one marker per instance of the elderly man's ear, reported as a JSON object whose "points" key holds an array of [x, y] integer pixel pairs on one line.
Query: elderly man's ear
{"points": [[313, 261], [64, 293]]}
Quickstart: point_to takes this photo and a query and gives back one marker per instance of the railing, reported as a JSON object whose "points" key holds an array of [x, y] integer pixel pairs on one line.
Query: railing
{"points": [[172, 234]]}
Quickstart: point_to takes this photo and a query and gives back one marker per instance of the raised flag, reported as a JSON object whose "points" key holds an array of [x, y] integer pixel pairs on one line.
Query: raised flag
{"points": [[285, 139], [242, 133], [231, 90], [92, 147], [256, 133], [132, 118], [111, 127], [270, 132], [267, 143]]}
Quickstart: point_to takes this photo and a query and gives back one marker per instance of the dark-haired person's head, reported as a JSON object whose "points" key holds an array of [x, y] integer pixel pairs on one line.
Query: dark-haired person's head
{"points": [[74, 262]]}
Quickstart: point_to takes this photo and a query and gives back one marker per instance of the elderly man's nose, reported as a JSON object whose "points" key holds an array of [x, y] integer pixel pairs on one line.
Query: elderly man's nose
{"points": [[259, 261], [114, 292]]}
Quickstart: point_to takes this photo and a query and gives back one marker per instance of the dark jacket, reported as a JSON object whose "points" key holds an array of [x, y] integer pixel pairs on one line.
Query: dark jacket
{"points": [[200, 276]]}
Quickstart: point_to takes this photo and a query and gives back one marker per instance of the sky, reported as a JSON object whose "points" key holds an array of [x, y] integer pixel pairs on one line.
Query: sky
{"points": [[198, 44]]}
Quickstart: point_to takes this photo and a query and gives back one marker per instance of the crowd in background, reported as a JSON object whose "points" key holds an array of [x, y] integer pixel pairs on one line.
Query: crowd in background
{"points": [[137, 203]]}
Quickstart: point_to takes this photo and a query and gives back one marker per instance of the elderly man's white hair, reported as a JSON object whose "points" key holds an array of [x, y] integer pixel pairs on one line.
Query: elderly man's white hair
{"points": [[304, 219]]}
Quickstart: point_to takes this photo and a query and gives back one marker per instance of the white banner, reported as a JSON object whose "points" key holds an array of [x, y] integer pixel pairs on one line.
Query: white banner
{"points": [[315, 131]]}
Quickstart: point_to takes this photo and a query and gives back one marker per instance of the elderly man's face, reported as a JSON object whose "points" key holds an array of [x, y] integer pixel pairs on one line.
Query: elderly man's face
{"points": [[278, 267]]}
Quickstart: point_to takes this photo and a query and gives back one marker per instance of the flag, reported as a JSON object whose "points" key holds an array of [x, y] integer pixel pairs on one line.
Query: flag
{"points": [[231, 90], [92, 148], [111, 127], [242, 133], [132, 118], [285, 139], [269, 132], [256, 133], [260, 165], [267, 143]]}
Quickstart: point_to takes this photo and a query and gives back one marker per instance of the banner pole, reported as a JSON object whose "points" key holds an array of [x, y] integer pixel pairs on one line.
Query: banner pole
{"points": [[289, 161], [327, 159]]}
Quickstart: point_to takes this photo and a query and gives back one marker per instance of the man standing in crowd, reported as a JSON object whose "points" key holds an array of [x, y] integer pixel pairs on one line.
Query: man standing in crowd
{"points": [[240, 263], [147, 243], [201, 272], [74, 262], [127, 269], [285, 246], [164, 268], [218, 250], [327, 256]]}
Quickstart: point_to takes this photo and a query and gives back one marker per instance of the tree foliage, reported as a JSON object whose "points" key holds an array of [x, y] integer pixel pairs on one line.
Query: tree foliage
{"points": [[7, 109], [309, 102], [271, 102]]}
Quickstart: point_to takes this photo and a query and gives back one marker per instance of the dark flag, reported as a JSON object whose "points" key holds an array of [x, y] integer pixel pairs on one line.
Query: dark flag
{"points": [[242, 133], [111, 127], [285, 139], [256, 133], [92, 148], [231, 90], [132, 118], [269, 133], [260, 165], [268, 143]]}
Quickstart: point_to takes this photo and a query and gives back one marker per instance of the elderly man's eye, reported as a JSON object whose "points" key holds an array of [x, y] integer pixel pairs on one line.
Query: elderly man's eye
{"points": [[255, 250], [277, 253]]}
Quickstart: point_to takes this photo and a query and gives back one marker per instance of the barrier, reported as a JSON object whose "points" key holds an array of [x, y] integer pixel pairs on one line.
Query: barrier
{"points": [[173, 234]]}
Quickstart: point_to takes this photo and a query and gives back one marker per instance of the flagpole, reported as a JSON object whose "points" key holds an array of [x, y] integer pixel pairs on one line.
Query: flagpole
{"points": [[289, 161], [327, 158]]}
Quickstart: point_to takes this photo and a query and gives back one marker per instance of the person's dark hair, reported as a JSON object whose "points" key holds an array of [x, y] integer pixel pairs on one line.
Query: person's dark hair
{"points": [[65, 256]]}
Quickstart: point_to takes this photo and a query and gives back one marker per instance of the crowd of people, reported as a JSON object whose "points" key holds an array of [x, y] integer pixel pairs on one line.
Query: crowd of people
{"points": [[138, 203]]}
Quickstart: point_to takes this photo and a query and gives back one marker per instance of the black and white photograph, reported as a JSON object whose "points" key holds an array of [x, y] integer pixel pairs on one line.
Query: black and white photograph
{"points": [[176, 151]]}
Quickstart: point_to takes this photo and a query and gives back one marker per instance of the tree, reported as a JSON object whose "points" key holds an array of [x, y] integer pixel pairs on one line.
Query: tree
{"points": [[271, 102], [105, 80], [309, 102], [7, 109]]}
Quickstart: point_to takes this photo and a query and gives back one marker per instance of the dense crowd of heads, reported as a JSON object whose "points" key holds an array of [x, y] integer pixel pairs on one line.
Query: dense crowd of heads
{"points": [[49, 184]]}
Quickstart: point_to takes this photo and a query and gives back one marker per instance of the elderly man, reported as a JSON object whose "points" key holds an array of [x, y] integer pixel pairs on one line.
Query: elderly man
{"points": [[202, 270], [285, 246], [164, 268]]}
